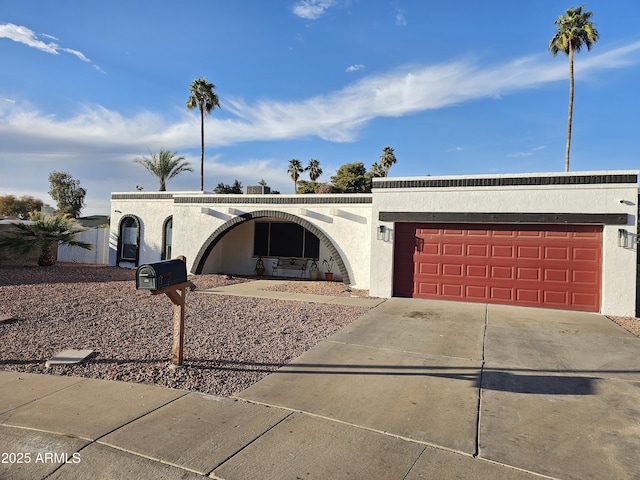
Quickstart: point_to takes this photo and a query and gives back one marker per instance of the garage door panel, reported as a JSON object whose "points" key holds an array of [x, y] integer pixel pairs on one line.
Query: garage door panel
{"points": [[454, 249], [527, 296], [451, 290], [586, 277], [501, 293], [498, 272], [555, 275], [585, 254], [479, 271], [556, 253], [477, 251], [528, 273], [476, 292], [503, 251], [557, 266], [449, 270], [527, 252]]}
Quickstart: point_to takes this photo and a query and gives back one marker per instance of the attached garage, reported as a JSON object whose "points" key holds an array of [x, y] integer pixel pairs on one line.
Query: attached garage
{"points": [[553, 266]]}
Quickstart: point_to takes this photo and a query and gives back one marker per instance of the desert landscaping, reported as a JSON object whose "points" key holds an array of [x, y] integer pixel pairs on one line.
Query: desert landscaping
{"points": [[230, 342]]}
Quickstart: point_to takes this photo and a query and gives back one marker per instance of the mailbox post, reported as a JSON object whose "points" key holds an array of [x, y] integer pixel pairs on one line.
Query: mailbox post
{"points": [[169, 278]]}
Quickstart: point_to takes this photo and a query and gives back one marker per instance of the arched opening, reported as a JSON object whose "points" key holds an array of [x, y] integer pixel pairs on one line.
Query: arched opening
{"points": [[224, 229], [129, 240]]}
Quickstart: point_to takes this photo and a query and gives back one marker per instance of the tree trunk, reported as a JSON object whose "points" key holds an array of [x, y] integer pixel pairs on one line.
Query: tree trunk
{"points": [[46, 258], [201, 148], [570, 115]]}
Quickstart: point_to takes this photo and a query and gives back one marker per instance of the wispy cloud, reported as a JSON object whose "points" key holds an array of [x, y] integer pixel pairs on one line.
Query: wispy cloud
{"points": [[28, 37], [354, 68], [527, 153], [312, 9], [401, 17], [336, 116]]}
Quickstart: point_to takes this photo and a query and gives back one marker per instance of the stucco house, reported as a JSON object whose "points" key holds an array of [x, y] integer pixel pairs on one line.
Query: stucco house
{"points": [[553, 240]]}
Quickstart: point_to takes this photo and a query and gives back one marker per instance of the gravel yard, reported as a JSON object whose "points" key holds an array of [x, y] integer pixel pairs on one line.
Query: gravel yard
{"points": [[230, 342]]}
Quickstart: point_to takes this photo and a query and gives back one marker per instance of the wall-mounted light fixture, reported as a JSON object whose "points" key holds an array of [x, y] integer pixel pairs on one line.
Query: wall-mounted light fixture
{"points": [[623, 237], [381, 231]]}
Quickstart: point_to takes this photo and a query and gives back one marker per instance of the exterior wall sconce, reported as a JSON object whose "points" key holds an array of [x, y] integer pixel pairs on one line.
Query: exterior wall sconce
{"points": [[381, 232], [623, 237]]}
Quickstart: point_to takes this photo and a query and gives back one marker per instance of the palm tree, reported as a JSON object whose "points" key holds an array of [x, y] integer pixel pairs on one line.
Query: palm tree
{"points": [[314, 169], [164, 165], [205, 99], [41, 234], [377, 170], [387, 159], [295, 169], [575, 30]]}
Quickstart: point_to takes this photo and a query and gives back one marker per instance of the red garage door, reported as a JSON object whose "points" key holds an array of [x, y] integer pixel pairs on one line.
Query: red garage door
{"points": [[554, 266]]}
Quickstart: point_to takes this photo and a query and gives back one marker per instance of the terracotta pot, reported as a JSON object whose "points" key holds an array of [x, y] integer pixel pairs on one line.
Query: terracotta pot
{"points": [[260, 271], [328, 276]]}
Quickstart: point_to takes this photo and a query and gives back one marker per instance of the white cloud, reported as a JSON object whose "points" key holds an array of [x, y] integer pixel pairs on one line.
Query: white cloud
{"points": [[527, 153], [336, 116], [354, 68], [312, 9], [97, 145], [28, 37], [401, 17]]}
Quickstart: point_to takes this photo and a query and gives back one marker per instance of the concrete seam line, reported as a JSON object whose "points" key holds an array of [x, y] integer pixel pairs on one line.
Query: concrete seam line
{"points": [[479, 409], [250, 443], [361, 427]]}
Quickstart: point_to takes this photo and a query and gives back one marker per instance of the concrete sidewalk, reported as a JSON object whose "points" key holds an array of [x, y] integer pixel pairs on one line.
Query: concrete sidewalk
{"points": [[413, 389]]}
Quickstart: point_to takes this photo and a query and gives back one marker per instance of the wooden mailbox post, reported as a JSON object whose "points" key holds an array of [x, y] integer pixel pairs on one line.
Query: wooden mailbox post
{"points": [[177, 294]]}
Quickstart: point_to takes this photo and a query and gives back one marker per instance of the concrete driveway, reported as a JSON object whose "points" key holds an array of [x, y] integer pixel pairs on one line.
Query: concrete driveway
{"points": [[483, 387], [413, 389]]}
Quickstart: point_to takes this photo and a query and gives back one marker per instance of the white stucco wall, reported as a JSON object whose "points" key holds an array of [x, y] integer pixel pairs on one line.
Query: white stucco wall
{"points": [[346, 225], [352, 227], [619, 264]]}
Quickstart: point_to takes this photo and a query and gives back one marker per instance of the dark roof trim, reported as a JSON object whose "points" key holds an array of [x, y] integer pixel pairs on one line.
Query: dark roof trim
{"points": [[506, 181], [246, 199], [475, 217], [274, 199], [142, 196]]}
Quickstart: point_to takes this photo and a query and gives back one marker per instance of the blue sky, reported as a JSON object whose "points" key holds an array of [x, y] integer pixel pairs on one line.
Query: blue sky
{"points": [[463, 87]]}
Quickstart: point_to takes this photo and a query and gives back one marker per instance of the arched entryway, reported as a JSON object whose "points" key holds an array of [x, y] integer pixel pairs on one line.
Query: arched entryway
{"points": [[223, 229]]}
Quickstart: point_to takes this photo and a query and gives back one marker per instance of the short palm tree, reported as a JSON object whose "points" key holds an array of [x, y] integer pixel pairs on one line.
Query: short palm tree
{"points": [[314, 169], [294, 171], [575, 30], [164, 165], [387, 159], [205, 99], [41, 234]]}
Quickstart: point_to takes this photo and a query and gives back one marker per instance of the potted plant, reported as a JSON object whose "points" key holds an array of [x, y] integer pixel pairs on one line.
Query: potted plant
{"points": [[328, 275], [259, 267], [314, 270]]}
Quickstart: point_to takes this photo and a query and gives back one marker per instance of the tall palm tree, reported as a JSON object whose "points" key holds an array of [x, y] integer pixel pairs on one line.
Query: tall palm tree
{"points": [[41, 234], [387, 159], [314, 169], [164, 165], [294, 171], [205, 99], [575, 30]]}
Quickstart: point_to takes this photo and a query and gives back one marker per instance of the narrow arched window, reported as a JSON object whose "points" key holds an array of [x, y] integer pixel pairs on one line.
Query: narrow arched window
{"points": [[167, 231], [129, 240]]}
